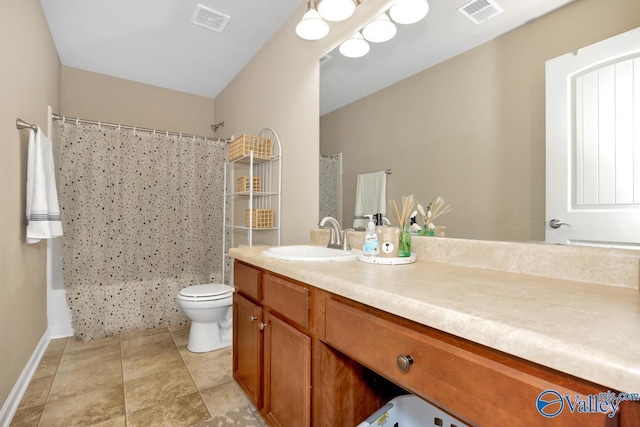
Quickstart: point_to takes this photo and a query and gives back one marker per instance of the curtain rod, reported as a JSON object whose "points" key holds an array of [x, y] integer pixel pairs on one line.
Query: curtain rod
{"points": [[75, 120]]}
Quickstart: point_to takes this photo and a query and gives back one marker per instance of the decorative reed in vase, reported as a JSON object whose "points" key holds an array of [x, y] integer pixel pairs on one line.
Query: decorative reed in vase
{"points": [[437, 207], [404, 220]]}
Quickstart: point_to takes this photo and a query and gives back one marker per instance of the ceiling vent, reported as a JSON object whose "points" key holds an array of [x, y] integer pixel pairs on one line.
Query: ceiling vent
{"points": [[210, 18], [479, 11]]}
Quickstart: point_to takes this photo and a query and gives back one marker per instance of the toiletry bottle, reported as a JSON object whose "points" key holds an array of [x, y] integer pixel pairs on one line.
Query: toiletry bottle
{"points": [[370, 247]]}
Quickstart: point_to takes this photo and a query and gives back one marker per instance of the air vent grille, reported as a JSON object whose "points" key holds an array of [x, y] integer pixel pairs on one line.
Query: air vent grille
{"points": [[479, 11], [210, 18]]}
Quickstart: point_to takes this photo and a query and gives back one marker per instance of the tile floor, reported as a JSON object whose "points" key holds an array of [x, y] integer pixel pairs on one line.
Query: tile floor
{"points": [[139, 378]]}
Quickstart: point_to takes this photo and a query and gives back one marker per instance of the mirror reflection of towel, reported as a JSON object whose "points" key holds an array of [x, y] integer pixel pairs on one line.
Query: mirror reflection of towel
{"points": [[43, 213], [371, 195]]}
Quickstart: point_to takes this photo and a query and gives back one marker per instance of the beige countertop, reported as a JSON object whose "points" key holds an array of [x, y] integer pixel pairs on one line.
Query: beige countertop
{"points": [[588, 330]]}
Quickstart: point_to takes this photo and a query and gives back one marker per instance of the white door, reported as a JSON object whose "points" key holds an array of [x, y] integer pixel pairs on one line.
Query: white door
{"points": [[593, 144]]}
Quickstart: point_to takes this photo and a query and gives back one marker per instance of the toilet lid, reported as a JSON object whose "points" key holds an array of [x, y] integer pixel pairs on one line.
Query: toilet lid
{"points": [[208, 291]]}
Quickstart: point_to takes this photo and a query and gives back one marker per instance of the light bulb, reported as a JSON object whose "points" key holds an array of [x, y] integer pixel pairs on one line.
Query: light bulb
{"points": [[409, 11], [336, 10], [380, 29], [312, 26], [354, 47]]}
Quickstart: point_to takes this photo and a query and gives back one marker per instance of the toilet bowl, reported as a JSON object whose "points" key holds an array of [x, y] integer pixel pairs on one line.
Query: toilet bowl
{"points": [[209, 309]]}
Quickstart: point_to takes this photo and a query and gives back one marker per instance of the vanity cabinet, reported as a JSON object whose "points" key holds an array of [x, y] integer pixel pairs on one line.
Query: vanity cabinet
{"points": [[477, 384], [307, 357], [272, 346]]}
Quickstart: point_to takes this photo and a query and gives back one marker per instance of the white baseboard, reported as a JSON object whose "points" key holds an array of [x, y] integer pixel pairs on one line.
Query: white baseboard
{"points": [[17, 393]]}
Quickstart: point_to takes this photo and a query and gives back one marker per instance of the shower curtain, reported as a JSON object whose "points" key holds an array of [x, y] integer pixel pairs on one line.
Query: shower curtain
{"points": [[331, 186], [142, 215]]}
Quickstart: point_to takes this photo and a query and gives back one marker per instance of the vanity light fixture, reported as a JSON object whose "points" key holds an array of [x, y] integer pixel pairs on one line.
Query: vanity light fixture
{"points": [[336, 10], [355, 46], [312, 26], [409, 11], [380, 29]]}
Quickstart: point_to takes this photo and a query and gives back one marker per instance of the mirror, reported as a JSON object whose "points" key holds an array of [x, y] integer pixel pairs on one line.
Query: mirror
{"points": [[472, 128]]}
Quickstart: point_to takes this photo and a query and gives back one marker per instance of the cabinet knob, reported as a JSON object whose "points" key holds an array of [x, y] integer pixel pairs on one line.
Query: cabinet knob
{"points": [[262, 325], [404, 362], [253, 318]]}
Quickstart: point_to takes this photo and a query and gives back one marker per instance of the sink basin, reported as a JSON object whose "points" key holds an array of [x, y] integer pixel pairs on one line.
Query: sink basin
{"points": [[309, 253]]}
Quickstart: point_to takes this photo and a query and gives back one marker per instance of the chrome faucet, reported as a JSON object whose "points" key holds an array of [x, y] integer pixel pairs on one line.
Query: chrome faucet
{"points": [[338, 239]]}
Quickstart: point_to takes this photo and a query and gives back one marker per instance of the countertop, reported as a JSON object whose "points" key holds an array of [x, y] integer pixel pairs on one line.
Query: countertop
{"points": [[588, 330]]}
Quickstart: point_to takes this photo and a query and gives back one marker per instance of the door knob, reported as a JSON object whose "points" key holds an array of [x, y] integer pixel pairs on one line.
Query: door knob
{"points": [[262, 325], [404, 362], [556, 223], [253, 318]]}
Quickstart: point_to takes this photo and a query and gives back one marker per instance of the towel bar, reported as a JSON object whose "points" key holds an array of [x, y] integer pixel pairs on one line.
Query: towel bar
{"points": [[21, 124]]}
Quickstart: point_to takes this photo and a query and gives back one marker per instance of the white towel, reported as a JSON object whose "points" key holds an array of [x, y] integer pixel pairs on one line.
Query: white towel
{"points": [[43, 212], [371, 195]]}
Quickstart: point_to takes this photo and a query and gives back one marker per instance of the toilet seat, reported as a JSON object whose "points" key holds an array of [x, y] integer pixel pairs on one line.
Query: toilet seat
{"points": [[208, 292]]}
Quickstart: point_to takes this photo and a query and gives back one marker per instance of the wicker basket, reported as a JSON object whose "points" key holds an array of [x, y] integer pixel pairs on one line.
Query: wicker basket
{"points": [[242, 184], [262, 218], [244, 144]]}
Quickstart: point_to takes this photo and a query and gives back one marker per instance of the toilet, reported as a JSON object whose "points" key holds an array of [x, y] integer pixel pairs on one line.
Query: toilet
{"points": [[209, 309]]}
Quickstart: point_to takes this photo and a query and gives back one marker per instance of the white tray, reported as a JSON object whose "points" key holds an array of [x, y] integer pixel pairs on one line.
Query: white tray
{"points": [[387, 261]]}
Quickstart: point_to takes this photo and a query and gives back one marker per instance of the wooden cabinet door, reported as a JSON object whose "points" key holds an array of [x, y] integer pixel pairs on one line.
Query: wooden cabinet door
{"points": [[287, 374], [247, 347]]}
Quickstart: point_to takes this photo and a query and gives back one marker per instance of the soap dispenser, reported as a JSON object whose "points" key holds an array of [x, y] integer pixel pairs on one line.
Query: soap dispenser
{"points": [[370, 247]]}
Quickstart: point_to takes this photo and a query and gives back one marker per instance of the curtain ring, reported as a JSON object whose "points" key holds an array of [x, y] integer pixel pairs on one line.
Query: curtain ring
{"points": [[167, 133], [180, 134], [63, 119], [134, 130], [100, 125], [154, 132], [118, 126], [77, 121]]}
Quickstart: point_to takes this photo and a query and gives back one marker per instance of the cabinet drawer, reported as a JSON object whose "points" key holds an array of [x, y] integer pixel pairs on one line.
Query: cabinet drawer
{"points": [[247, 279], [478, 385], [287, 298]]}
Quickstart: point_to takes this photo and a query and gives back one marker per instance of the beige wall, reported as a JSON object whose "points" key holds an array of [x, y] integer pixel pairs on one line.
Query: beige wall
{"points": [[279, 88], [99, 97], [29, 82], [472, 129], [31, 79]]}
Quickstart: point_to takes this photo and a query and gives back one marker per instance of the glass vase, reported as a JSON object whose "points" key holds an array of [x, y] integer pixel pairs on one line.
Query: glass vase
{"points": [[404, 244], [426, 231]]}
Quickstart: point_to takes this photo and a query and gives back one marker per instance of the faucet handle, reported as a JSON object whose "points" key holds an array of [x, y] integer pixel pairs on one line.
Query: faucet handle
{"points": [[345, 239]]}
